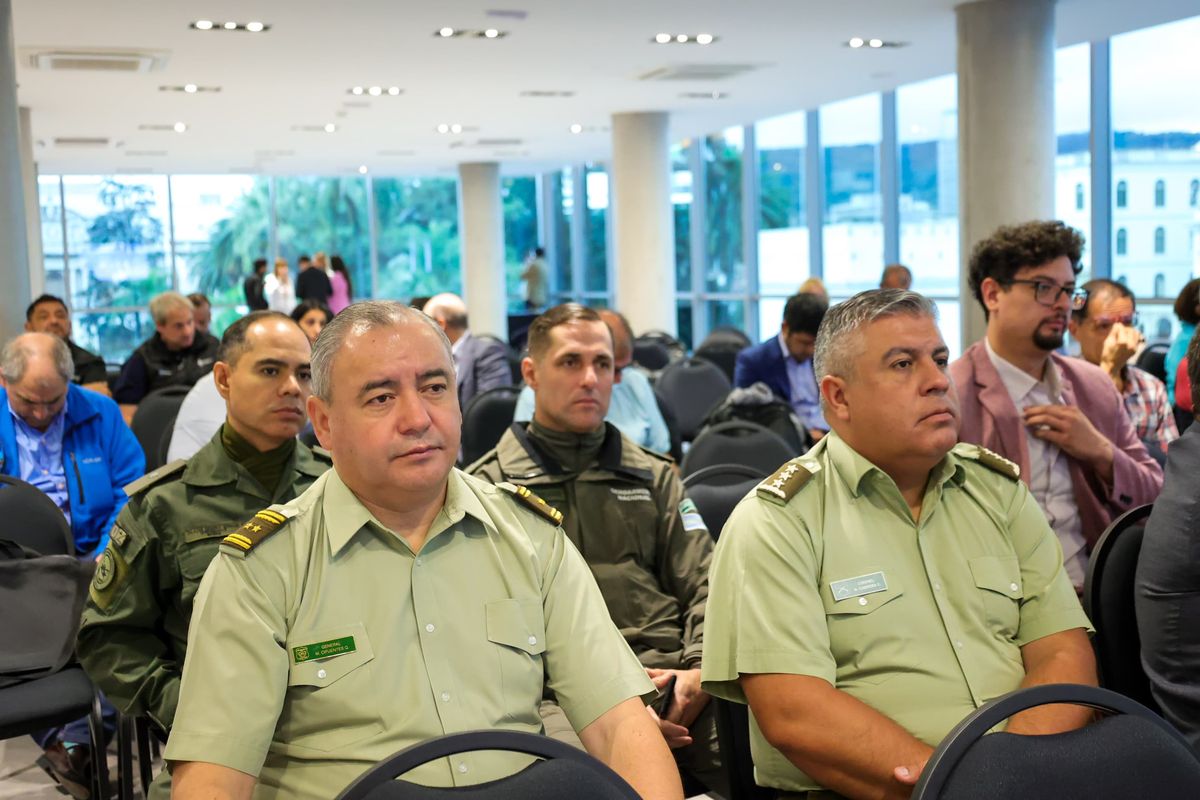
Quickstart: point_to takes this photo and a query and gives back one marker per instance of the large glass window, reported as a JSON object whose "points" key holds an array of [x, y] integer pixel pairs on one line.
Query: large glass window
{"points": [[726, 269], [563, 194], [851, 131], [681, 204], [1156, 130], [325, 215], [595, 271], [417, 229], [927, 121], [1073, 125], [520, 233], [783, 247]]}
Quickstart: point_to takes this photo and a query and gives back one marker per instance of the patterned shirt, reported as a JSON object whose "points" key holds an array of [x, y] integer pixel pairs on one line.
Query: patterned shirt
{"points": [[41, 457], [1149, 408]]}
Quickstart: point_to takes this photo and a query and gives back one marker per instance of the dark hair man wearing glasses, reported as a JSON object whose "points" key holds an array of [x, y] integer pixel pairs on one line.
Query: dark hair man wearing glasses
{"points": [[1106, 329], [1060, 419]]}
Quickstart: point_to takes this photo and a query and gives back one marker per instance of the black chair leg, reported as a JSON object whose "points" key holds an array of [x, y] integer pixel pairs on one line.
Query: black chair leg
{"points": [[101, 788], [124, 757], [147, 751]]}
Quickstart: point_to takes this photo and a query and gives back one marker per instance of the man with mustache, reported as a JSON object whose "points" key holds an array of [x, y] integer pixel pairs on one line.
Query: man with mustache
{"points": [[624, 508], [397, 600], [1059, 419], [880, 587], [135, 625]]}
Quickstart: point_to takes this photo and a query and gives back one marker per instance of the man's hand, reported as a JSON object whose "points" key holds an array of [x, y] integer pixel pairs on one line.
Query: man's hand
{"points": [[686, 704], [1119, 346], [1067, 427]]}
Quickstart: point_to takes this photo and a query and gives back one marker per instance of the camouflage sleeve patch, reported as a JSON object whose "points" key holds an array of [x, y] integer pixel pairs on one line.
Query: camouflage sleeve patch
{"points": [[111, 572], [255, 530], [789, 479], [993, 461], [533, 503]]}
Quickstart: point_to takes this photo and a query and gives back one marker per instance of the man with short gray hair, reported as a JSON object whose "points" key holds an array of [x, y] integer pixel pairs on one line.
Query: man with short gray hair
{"points": [[173, 356], [876, 590], [479, 363], [397, 600]]}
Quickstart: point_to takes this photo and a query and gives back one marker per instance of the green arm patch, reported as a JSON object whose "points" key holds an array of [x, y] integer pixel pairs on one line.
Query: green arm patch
{"points": [[783, 485], [258, 528], [533, 502], [111, 572]]}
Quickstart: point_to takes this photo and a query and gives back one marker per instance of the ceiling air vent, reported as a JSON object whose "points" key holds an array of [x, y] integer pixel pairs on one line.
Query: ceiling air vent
{"points": [[498, 143], [697, 72], [81, 141], [95, 60]]}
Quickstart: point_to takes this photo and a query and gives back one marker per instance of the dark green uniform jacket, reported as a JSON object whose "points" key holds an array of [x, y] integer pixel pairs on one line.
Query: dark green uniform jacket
{"points": [[626, 511], [135, 624]]}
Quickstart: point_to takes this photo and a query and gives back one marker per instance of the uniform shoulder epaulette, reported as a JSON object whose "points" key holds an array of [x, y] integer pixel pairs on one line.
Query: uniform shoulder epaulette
{"points": [[787, 480], [657, 456], [993, 461], [533, 502], [256, 529], [150, 479]]}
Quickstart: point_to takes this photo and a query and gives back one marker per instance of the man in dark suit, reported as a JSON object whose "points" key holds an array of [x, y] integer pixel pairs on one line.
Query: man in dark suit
{"points": [[479, 364], [784, 362], [312, 282], [252, 287]]}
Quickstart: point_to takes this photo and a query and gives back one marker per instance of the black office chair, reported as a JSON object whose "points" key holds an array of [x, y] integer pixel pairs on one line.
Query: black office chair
{"points": [[155, 414], [727, 334], [1153, 359], [717, 489], [1108, 594], [692, 387], [723, 353], [650, 355], [486, 418], [32, 520], [733, 737], [675, 348], [566, 772], [1133, 754], [668, 415], [737, 442]]}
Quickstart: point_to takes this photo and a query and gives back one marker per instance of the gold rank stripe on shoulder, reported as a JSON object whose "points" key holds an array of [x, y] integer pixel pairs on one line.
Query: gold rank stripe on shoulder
{"points": [[260, 526], [535, 503], [789, 479]]}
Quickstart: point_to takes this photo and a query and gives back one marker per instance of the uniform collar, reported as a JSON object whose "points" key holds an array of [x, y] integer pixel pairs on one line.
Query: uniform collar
{"points": [[528, 460], [211, 466], [854, 468], [345, 515]]}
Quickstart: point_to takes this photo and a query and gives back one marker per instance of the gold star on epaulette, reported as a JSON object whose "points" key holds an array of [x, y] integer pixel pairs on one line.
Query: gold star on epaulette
{"points": [[259, 527], [784, 484]]}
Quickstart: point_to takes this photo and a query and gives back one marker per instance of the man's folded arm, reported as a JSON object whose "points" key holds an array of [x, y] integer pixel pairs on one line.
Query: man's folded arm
{"points": [[199, 780], [627, 740]]}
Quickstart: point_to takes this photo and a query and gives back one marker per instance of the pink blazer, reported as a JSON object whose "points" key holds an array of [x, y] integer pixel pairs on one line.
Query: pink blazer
{"points": [[990, 418]]}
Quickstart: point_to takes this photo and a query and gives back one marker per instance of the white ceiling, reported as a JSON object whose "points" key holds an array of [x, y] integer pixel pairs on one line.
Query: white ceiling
{"points": [[298, 74]]}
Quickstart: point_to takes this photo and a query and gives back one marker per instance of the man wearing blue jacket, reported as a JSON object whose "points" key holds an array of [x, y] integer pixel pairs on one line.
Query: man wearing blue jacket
{"points": [[67, 441]]}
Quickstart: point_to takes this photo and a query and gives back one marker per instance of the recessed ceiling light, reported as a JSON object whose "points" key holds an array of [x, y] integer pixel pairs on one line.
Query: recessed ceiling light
{"points": [[704, 38], [190, 88], [662, 38], [491, 33], [446, 33], [362, 170], [443, 128], [681, 38], [456, 128], [393, 90], [230, 26], [856, 42], [203, 24], [330, 127], [255, 27], [180, 127], [876, 43], [576, 128], [356, 90], [375, 91]]}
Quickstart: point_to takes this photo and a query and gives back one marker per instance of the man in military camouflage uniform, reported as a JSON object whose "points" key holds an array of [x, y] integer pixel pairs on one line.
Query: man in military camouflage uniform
{"points": [[135, 624], [625, 509]]}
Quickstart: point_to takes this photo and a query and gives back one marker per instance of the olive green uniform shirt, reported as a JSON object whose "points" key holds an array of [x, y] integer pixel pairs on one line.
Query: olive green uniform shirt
{"points": [[923, 621], [330, 644], [135, 624], [642, 538]]}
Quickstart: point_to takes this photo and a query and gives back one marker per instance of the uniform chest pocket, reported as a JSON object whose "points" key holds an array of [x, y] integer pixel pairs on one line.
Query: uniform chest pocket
{"points": [[199, 548], [867, 634], [998, 579], [330, 693], [518, 629]]}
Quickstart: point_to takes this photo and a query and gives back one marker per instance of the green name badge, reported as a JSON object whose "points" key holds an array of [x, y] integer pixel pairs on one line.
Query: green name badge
{"points": [[857, 587], [333, 647]]}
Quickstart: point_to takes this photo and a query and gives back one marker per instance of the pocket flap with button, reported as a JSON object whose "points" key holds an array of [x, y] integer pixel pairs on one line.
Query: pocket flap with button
{"points": [[517, 623], [1000, 574], [322, 657], [862, 604]]}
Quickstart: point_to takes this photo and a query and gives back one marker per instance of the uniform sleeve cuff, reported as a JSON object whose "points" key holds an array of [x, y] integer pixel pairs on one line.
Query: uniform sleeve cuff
{"points": [[1052, 622], [583, 711], [247, 757]]}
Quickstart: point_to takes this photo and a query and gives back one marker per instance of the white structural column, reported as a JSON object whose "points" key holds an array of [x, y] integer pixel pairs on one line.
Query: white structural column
{"points": [[14, 257], [643, 224], [481, 231], [1005, 125], [33, 213]]}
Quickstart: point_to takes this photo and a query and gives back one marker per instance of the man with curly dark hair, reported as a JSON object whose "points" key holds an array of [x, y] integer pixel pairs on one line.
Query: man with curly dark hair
{"points": [[1060, 419]]}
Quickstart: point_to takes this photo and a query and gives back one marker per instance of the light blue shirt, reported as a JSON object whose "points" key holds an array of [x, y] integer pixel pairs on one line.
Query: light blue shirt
{"points": [[632, 409], [806, 397], [41, 457], [1176, 353]]}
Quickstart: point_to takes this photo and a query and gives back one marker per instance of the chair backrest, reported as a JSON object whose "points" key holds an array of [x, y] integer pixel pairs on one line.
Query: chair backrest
{"points": [[650, 355], [692, 387], [723, 354], [32, 520], [726, 334], [733, 737], [1108, 599], [1137, 754], [485, 420], [738, 442], [156, 413], [717, 489], [1153, 360], [566, 772]]}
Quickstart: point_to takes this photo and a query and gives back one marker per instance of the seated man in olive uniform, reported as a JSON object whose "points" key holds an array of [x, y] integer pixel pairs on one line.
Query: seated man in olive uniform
{"points": [[134, 630], [879, 588], [397, 600], [624, 508]]}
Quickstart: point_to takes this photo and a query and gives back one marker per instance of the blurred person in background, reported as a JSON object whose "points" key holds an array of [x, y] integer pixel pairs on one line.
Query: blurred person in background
{"points": [[312, 317], [252, 287], [343, 288], [49, 314], [814, 286], [1187, 308], [279, 290], [896, 276]]}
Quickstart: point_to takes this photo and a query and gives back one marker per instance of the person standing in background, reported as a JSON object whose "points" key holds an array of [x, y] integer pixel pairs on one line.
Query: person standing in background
{"points": [[535, 279], [343, 289], [312, 283], [278, 289], [252, 287]]}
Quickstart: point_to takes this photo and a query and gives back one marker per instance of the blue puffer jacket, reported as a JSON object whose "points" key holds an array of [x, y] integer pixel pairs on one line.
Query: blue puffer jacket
{"points": [[100, 456]]}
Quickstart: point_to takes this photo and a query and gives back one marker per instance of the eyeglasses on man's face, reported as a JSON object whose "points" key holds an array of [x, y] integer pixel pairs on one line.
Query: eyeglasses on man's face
{"points": [[1105, 322], [1047, 293]]}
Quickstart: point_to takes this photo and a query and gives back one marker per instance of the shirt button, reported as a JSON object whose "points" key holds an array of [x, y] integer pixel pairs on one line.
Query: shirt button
{"points": [[937, 587], [445, 697], [1013, 586], [429, 628], [321, 673], [958, 645], [862, 601], [418, 562], [462, 767], [533, 640]]}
